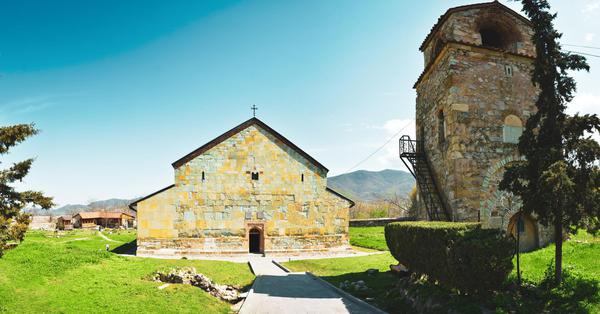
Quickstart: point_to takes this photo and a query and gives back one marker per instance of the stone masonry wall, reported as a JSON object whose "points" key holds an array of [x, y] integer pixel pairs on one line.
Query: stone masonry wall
{"points": [[214, 215], [469, 92]]}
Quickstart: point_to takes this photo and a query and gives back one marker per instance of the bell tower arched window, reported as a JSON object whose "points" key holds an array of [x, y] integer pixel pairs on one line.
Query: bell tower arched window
{"points": [[512, 130], [492, 38], [499, 34]]}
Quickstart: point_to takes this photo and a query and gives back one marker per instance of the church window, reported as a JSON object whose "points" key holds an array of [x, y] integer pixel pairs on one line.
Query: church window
{"points": [[305, 210], [508, 70], [302, 177], [512, 130], [441, 127], [283, 211], [203, 177], [254, 175]]}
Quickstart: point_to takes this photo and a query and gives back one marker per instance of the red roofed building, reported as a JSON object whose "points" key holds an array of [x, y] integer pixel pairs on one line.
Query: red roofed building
{"points": [[64, 222], [104, 219]]}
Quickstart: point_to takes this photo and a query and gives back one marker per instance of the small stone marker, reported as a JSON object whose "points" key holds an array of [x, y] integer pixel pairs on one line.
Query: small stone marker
{"points": [[398, 268]]}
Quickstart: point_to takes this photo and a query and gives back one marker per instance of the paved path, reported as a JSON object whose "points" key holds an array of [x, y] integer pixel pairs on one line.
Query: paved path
{"points": [[106, 238], [276, 291], [265, 266], [245, 258]]}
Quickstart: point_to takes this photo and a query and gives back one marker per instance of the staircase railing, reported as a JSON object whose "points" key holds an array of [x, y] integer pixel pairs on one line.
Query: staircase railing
{"points": [[408, 146], [412, 154]]}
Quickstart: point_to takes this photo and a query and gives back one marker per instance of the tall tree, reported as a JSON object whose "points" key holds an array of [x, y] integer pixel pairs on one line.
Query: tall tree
{"points": [[13, 223], [559, 180]]}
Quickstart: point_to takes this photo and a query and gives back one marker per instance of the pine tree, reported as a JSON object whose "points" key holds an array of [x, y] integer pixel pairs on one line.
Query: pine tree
{"points": [[13, 223], [559, 180]]}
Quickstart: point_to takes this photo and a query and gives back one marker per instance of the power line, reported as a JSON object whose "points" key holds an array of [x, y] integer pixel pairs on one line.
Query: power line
{"points": [[581, 46], [379, 148], [404, 127], [583, 53]]}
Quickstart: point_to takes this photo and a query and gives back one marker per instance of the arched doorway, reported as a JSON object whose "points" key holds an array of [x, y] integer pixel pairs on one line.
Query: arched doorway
{"points": [[255, 237], [528, 235]]}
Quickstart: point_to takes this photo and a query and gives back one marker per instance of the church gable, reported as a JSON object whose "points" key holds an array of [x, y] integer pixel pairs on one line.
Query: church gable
{"points": [[253, 159], [278, 138]]}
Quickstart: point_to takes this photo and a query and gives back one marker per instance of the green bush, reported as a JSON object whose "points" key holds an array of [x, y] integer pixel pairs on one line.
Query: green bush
{"points": [[457, 255]]}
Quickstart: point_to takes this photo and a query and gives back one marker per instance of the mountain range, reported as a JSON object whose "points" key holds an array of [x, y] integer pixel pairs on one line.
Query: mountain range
{"points": [[109, 204], [363, 185]]}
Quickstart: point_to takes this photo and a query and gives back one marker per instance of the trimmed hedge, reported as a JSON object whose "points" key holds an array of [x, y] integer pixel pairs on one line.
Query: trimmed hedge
{"points": [[457, 255]]}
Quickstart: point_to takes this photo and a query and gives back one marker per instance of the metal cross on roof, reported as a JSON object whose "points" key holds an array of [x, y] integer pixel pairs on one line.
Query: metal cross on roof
{"points": [[254, 108]]}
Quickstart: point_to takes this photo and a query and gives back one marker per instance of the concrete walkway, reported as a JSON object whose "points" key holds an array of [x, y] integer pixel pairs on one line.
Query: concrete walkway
{"points": [[245, 258], [277, 291], [107, 238]]}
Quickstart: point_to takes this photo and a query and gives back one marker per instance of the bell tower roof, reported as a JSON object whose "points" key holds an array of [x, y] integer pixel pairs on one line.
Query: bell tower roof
{"points": [[485, 5]]}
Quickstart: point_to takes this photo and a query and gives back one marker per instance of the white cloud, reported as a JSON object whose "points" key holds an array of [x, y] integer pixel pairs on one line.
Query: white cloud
{"points": [[591, 7], [388, 157], [394, 126], [589, 37], [347, 127], [584, 103], [29, 104]]}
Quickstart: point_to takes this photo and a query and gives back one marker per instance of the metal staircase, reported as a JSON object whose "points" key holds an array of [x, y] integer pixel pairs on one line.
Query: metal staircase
{"points": [[413, 152]]}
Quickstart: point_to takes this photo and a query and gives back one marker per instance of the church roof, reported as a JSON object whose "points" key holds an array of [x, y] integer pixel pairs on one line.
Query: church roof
{"points": [[106, 215], [253, 121], [450, 11], [133, 205], [330, 190]]}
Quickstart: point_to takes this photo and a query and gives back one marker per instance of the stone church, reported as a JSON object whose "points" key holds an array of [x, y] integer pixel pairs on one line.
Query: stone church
{"points": [[248, 190], [473, 98]]}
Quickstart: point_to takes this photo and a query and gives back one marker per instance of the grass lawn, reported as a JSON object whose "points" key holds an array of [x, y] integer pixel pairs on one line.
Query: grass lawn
{"points": [[338, 270], [368, 237], [581, 257], [73, 273], [579, 294]]}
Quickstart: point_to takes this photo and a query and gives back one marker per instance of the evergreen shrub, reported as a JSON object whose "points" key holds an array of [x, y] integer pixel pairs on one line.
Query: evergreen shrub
{"points": [[457, 255]]}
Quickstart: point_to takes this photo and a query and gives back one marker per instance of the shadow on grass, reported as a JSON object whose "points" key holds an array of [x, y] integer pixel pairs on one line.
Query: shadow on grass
{"points": [[129, 248], [573, 295], [378, 287], [398, 295]]}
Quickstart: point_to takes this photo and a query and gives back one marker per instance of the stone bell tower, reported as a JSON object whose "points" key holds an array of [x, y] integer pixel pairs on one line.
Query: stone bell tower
{"points": [[473, 98]]}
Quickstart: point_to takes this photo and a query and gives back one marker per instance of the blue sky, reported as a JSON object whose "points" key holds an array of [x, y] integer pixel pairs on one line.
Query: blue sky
{"points": [[121, 89]]}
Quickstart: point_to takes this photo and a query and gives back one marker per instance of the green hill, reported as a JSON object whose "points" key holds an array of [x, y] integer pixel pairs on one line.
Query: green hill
{"points": [[363, 185]]}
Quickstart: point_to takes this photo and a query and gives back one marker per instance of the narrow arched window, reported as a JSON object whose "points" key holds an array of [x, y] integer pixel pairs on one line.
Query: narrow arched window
{"points": [[302, 177], [512, 130], [441, 127], [437, 48], [203, 176]]}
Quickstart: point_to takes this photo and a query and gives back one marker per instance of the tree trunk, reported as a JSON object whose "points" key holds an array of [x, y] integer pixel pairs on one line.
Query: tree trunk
{"points": [[558, 241]]}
